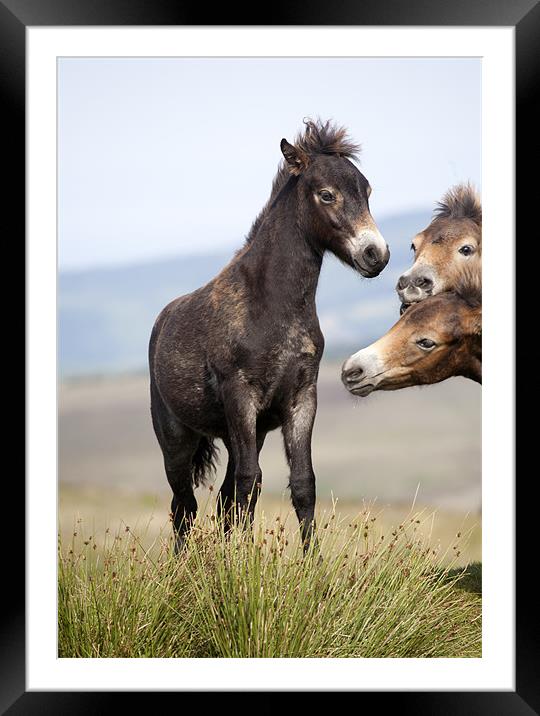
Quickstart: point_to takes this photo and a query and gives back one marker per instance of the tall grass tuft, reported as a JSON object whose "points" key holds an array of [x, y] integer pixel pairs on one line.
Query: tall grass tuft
{"points": [[252, 593]]}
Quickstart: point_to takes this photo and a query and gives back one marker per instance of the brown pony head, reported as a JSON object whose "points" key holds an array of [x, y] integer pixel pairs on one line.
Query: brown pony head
{"points": [[451, 243], [433, 340]]}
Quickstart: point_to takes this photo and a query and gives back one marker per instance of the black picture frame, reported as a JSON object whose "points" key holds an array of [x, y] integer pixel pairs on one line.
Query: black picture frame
{"points": [[15, 17]]}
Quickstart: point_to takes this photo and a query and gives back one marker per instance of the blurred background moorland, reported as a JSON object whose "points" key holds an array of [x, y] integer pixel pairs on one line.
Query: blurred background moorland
{"points": [[163, 164]]}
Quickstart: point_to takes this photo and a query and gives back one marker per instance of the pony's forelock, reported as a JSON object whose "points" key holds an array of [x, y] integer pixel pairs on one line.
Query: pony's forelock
{"points": [[460, 202], [326, 138]]}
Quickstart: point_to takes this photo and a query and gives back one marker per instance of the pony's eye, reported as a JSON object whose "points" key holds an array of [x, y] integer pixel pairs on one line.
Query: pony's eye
{"points": [[466, 250], [413, 247], [426, 344], [327, 197]]}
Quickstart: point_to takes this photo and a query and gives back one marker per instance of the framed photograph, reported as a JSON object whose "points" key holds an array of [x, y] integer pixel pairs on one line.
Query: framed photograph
{"points": [[156, 157]]}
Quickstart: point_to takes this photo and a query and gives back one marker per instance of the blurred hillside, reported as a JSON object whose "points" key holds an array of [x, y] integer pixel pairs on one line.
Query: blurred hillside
{"points": [[106, 315], [383, 446]]}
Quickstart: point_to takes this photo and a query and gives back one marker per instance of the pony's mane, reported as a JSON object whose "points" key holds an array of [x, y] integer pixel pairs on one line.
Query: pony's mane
{"points": [[317, 138], [279, 181], [469, 287], [460, 202]]}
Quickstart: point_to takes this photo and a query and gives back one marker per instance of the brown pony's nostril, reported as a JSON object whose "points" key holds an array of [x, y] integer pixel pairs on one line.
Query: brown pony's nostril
{"points": [[351, 376], [403, 281], [423, 282]]}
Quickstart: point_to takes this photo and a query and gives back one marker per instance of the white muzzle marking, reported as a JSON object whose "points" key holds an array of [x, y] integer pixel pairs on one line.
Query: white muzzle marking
{"points": [[361, 370], [369, 237]]}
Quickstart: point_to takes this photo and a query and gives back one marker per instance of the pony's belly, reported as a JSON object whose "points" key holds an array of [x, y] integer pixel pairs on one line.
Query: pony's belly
{"points": [[189, 385], [269, 420]]}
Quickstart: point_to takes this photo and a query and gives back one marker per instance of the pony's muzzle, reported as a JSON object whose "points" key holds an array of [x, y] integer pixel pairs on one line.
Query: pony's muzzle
{"points": [[369, 252], [371, 259], [358, 373], [415, 285]]}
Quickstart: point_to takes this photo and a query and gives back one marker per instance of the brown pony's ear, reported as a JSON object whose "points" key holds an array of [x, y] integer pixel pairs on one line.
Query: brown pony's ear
{"points": [[296, 160], [475, 322]]}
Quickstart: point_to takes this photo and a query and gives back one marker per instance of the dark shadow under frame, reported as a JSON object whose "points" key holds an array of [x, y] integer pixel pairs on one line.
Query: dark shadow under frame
{"points": [[15, 16]]}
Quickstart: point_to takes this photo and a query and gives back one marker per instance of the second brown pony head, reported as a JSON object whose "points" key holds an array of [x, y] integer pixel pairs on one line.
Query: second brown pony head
{"points": [[433, 340], [450, 244]]}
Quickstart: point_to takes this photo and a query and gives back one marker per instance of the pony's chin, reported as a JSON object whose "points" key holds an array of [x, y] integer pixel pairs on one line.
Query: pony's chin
{"points": [[362, 390], [363, 271]]}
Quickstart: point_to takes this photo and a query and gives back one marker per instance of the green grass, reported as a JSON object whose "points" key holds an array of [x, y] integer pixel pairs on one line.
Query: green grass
{"points": [[361, 593]]}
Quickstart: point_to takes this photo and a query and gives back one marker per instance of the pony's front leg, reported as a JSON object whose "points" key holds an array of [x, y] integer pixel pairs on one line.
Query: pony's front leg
{"points": [[227, 492], [241, 417], [297, 430]]}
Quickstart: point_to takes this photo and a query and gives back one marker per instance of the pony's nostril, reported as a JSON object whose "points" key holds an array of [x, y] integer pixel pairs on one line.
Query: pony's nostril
{"points": [[371, 255], [402, 282], [353, 375], [423, 282]]}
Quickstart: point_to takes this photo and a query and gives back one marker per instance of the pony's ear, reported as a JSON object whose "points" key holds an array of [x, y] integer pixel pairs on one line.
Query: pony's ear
{"points": [[296, 160], [475, 322]]}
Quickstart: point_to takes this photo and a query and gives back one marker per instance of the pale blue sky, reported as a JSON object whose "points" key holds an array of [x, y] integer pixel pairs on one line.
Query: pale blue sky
{"points": [[160, 157]]}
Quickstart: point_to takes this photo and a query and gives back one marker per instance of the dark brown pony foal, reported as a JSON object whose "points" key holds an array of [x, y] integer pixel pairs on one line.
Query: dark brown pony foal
{"points": [[240, 356]]}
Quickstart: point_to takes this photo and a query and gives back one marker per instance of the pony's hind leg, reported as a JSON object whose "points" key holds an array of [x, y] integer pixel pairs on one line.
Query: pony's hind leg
{"points": [[178, 466], [183, 509], [178, 444]]}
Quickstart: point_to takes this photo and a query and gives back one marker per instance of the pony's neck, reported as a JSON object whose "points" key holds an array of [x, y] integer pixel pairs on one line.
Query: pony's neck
{"points": [[474, 368], [280, 258]]}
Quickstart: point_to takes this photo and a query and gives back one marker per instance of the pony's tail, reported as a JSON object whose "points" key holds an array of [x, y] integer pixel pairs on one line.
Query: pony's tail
{"points": [[204, 461]]}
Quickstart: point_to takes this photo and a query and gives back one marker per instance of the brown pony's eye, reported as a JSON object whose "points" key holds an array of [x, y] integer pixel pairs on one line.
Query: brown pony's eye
{"points": [[426, 344], [466, 250], [413, 247], [326, 196]]}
